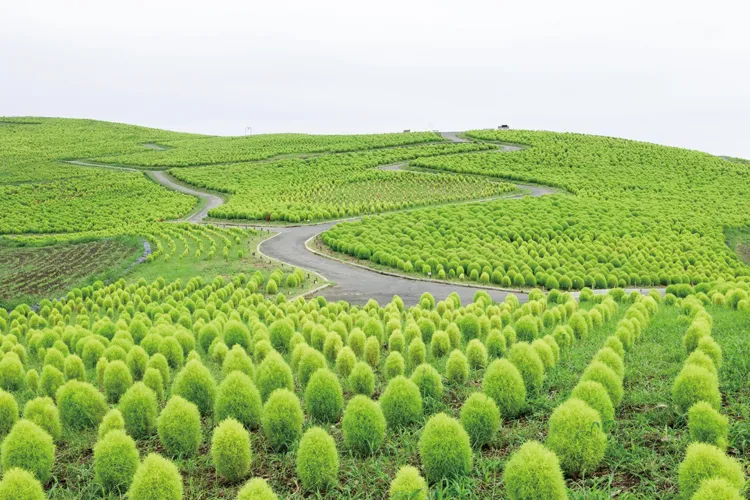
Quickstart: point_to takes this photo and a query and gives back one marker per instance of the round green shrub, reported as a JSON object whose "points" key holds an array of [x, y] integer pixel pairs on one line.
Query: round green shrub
{"points": [[716, 489], [139, 409], [81, 406], [282, 419], [345, 361], [613, 360], [74, 369], [332, 346], [230, 450], [32, 381], [171, 349], [575, 434], [373, 327], [394, 365], [533, 473], [238, 398], [545, 353], [529, 365], [408, 483], [372, 352], [694, 384], [708, 425], [700, 358], [324, 398], [152, 378], [362, 379], [28, 447], [280, 334], [9, 412], [93, 350], [317, 460], [457, 368], [43, 412], [476, 354], [417, 352], [363, 425], [428, 379], [440, 344], [599, 372], [256, 489], [496, 344], [18, 484], [596, 396], [579, 325], [237, 359], [159, 362], [179, 427], [115, 461], [615, 344], [112, 421], [480, 418], [356, 342], [712, 349], [235, 333], [526, 329], [504, 384], [445, 449], [273, 373], [550, 340], [137, 361], [195, 383], [117, 380], [397, 342], [401, 402], [52, 379], [156, 479], [469, 327], [311, 361], [704, 461]]}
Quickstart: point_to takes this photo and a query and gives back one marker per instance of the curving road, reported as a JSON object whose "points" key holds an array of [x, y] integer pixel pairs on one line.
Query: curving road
{"points": [[353, 283]]}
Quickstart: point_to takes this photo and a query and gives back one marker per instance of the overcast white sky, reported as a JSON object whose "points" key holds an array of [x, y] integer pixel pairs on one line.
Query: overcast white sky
{"points": [[668, 71]]}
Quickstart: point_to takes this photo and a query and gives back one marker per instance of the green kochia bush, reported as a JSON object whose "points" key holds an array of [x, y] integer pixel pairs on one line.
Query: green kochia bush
{"points": [[18, 484], [282, 419], [480, 418], [708, 425], [408, 483], [43, 412], [529, 364], [394, 365], [317, 460], [427, 378], [311, 361], [526, 329], [476, 353], [324, 398], [345, 361], [156, 479], [29, 447], [704, 461], [445, 449], [236, 333], [280, 333], [599, 372], [230, 450], [238, 360], [179, 427], [401, 402], [81, 406], [11, 372], [256, 489], [596, 396], [363, 425], [694, 384], [504, 384], [273, 373], [8, 412], [115, 461], [195, 383], [576, 436], [51, 380], [716, 488], [112, 421], [117, 380], [533, 473], [238, 398], [139, 409], [457, 368], [362, 379]]}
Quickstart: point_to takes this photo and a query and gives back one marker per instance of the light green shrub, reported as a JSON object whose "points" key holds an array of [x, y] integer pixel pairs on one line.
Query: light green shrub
{"points": [[28, 447], [362, 379], [716, 489], [372, 352], [708, 425], [394, 365], [324, 398], [599, 372], [401, 402], [504, 384], [480, 418], [112, 421], [476, 353], [238, 398], [18, 484], [156, 479], [533, 473], [273, 373], [231, 453], [596, 396], [115, 461], [310, 362], [81, 406], [74, 369], [363, 425], [345, 361], [282, 419], [256, 489], [280, 334], [43, 412], [428, 379], [408, 484], [694, 384], [529, 365], [704, 461], [575, 434], [317, 460], [51, 380], [457, 368], [613, 360], [445, 449], [237, 359], [9, 412], [179, 427], [117, 380], [196, 384]]}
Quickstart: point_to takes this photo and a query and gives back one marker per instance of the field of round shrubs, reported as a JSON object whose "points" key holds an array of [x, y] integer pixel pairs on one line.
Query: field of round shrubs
{"points": [[635, 214], [212, 390]]}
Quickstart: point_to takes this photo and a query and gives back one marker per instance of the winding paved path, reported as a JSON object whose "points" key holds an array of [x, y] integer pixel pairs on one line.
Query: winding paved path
{"points": [[354, 284]]}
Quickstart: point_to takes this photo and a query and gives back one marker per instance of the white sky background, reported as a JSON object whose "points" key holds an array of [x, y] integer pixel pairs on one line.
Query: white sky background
{"points": [[668, 71]]}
